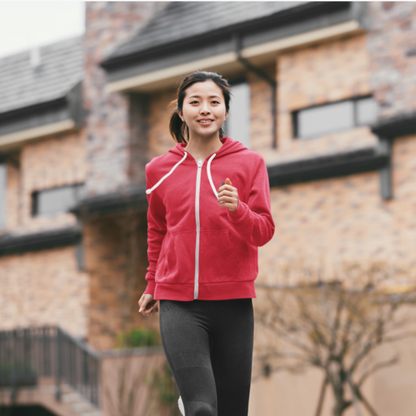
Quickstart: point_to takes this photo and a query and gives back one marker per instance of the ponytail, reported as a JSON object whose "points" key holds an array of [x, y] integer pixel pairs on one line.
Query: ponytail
{"points": [[177, 128]]}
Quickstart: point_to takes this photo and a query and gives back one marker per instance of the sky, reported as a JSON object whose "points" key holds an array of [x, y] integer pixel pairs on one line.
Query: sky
{"points": [[27, 24]]}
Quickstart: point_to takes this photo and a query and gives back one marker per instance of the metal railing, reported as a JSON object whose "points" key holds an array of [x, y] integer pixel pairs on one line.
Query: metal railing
{"points": [[27, 354]]}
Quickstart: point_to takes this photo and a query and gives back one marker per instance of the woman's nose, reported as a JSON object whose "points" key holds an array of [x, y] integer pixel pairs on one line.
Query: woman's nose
{"points": [[204, 109]]}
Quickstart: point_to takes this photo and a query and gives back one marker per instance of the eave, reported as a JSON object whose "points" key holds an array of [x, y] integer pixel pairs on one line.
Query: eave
{"points": [[261, 42], [401, 125], [43, 240], [134, 198], [60, 115], [328, 166]]}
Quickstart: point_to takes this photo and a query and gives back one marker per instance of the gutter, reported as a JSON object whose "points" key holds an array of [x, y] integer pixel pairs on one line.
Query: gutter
{"points": [[260, 73]]}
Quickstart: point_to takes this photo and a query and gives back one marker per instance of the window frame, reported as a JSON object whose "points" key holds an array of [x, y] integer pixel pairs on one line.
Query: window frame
{"points": [[354, 100], [35, 199], [233, 82]]}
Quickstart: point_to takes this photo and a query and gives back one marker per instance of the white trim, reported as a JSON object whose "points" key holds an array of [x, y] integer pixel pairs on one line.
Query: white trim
{"points": [[168, 76], [3, 195], [302, 39], [171, 72], [15, 139]]}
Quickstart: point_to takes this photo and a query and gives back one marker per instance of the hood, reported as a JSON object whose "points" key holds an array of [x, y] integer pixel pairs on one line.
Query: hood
{"points": [[228, 146]]}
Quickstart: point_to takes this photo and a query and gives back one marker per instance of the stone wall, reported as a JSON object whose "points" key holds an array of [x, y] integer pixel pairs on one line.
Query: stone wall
{"points": [[108, 123], [392, 48]]}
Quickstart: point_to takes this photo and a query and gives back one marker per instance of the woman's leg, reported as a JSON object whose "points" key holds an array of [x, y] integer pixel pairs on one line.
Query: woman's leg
{"points": [[231, 355], [186, 341]]}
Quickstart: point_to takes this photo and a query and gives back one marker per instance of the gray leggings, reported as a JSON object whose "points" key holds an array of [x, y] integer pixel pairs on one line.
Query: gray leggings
{"points": [[209, 348]]}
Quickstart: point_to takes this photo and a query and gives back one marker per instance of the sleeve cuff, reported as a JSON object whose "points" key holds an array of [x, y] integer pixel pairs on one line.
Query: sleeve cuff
{"points": [[150, 289], [239, 213]]}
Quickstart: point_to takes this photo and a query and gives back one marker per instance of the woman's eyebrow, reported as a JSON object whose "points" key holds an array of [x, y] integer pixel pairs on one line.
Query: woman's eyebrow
{"points": [[197, 96]]}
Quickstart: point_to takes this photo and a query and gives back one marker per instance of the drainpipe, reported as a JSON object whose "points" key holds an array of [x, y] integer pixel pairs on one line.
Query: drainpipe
{"points": [[260, 73]]}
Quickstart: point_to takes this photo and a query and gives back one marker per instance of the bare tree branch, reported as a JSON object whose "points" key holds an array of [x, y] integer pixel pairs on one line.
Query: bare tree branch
{"points": [[376, 367]]}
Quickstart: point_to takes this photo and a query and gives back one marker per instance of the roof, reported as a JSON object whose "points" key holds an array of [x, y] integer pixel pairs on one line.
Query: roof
{"points": [[22, 85], [181, 20]]}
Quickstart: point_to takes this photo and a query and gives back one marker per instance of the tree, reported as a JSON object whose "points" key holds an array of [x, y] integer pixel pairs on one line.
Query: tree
{"points": [[334, 325]]}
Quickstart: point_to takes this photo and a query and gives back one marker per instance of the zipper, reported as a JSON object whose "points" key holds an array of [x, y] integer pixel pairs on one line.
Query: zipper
{"points": [[198, 227]]}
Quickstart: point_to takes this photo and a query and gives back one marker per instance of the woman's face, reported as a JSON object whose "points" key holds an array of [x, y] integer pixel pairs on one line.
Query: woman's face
{"points": [[203, 109]]}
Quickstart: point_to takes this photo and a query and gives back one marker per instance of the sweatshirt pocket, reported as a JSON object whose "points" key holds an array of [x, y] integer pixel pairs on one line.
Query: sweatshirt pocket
{"points": [[180, 258], [217, 260]]}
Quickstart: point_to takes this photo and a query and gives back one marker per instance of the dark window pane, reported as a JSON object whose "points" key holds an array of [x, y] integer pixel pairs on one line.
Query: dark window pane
{"points": [[366, 111], [317, 121], [57, 200], [237, 125], [2, 196]]}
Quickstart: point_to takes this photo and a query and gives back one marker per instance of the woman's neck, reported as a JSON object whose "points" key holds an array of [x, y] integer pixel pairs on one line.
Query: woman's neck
{"points": [[201, 148]]}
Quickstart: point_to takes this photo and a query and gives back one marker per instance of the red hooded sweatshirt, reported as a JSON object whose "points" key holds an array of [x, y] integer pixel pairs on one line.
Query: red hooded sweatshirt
{"points": [[196, 248]]}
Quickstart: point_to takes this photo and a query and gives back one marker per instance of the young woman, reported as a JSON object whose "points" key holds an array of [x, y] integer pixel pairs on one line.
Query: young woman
{"points": [[209, 211]]}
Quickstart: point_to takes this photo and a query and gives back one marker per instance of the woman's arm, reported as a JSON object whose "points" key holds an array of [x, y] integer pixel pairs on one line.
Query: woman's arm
{"points": [[252, 220], [156, 231]]}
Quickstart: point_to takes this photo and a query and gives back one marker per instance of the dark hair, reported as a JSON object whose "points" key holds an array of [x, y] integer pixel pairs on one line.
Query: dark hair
{"points": [[178, 129]]}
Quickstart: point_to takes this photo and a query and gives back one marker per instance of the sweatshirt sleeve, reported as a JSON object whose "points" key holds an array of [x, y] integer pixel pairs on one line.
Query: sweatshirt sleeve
{"points": [[156, 231], [252, 219]]}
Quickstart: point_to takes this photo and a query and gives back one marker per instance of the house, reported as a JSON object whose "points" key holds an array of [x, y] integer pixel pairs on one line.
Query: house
{"points": [[328, 90]]}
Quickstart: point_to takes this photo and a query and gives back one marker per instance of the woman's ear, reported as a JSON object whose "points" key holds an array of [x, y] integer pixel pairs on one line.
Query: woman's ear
{"points": [[180, 115]]}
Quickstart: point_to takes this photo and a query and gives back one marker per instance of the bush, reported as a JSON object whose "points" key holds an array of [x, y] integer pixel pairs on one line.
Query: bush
{"points": [[141, 337]]}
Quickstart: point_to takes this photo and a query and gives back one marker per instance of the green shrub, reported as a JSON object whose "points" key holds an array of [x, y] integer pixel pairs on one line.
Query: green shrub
{"points": [[141, 337]]}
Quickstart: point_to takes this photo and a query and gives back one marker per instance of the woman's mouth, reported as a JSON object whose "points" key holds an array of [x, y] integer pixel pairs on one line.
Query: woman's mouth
{"points": [[205, 122]]}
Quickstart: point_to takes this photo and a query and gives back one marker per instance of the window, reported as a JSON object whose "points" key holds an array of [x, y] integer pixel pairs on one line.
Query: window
{"points": [[3, 185], [237, 125], [56, 200], [331, 118]]}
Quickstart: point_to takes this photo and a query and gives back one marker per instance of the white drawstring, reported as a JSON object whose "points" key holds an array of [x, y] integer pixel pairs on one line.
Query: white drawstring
{"points": [[209, 174], [148, 191]]}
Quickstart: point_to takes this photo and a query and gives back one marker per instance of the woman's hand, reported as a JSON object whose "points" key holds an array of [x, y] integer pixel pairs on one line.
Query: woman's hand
{"points": [[148, 306], [228, 196]]}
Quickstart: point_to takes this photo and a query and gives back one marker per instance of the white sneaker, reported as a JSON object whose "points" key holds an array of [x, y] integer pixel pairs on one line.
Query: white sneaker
{"points": [[180, 405]]}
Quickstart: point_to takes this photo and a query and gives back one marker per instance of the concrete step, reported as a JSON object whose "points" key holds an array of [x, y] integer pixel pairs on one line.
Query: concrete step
{"points": [[83, 406], [94, 413], [79, 404]]}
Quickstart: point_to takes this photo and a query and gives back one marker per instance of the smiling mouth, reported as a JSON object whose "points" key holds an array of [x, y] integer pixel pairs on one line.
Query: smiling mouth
{"points": [[205, 121]]}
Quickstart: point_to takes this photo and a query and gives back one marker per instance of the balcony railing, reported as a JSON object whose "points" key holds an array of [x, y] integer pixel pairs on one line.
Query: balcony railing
{"points": [[28, 354]]}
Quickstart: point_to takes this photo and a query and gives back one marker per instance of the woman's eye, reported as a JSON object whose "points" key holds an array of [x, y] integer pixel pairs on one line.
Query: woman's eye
{"points": [[215, 102], [194, 102]]}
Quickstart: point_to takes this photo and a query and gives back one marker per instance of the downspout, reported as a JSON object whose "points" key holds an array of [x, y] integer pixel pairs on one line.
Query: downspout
{"points": [[260, 73]]}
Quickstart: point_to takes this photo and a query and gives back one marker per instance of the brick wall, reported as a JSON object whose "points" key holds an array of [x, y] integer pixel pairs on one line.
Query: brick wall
{"points": [[49, 163], [116, 261], [327, 72], [343, 219], [13, 217], [261, 119], [41, 288], [392, 48]]}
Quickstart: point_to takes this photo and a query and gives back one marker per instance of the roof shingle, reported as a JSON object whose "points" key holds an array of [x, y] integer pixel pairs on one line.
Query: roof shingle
{"points": [[181, 20], [22, 85]]}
